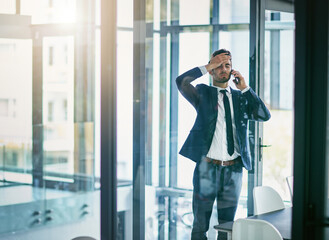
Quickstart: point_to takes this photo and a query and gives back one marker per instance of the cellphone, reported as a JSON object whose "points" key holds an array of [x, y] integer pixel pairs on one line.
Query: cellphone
{"points": [[235, 80]]}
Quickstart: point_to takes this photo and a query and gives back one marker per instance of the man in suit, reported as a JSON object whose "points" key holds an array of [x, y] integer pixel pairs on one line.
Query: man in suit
{"points": [[218, 140]]}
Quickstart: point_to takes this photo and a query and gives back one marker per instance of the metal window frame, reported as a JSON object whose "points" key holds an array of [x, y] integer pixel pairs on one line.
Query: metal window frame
{"points": [[108, 120]]}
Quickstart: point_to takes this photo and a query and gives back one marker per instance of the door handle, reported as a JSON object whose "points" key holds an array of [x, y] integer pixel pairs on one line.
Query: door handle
{"points": [[262, 145]]}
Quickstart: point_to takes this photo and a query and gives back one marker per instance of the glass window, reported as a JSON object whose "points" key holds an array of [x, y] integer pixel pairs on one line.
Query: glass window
{"points": [[16, 110], [47, 106], [125, 105], [4, 105], [278, 94], [168, 210], [156, 135], [233, 11], [53, 11], [238, 44], [125, 13], [124, 132], [8, 6], [189, 57], [194, 12], [97, 114], [157, 13], [58, 88]]}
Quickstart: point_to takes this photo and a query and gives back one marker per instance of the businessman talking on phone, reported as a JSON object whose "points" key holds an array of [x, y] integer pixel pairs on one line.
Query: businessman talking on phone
{"points": [[218, 140]]}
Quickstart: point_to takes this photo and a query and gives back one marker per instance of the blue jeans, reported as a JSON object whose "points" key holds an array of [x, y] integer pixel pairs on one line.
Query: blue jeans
{"points": [[211, 182]]}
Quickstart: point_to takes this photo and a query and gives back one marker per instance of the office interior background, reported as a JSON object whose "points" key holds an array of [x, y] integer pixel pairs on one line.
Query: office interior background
{"points": [[91, 119]]}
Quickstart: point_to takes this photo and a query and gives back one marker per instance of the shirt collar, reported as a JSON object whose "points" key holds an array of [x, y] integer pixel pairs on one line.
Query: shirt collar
{"points": [[228, 89]]}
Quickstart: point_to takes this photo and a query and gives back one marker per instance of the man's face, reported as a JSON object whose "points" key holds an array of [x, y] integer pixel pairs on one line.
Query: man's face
{"points": [[222, 73]]}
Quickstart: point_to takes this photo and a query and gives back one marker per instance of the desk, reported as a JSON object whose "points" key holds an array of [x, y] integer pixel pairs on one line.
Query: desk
{"points": [[280, 219]]}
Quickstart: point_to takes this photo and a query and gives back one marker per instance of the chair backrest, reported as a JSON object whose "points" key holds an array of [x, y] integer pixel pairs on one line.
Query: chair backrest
{"points": [[266, 199], [254, 229], [83, 238], [290, 182]]}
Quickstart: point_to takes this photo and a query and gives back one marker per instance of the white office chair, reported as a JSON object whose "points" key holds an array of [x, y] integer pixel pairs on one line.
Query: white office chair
{"points": [[266, 199], [254, 229], [290, 182]]}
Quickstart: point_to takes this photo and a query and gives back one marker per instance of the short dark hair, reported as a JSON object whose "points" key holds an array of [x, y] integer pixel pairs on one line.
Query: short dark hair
{"points": [[223, 50]]}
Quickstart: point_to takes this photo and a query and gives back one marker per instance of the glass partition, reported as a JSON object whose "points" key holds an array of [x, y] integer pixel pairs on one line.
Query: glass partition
{"points": [[16, 111], [164, 117], [50, 113], [49, 157], [278, 93]]}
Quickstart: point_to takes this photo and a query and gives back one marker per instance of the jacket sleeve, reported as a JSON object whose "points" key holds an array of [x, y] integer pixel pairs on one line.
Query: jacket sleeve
{"points": [[186, 88], [256, 109]]}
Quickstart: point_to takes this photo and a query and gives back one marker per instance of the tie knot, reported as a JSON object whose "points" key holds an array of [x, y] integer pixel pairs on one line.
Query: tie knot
{"points": [[223, 91]]}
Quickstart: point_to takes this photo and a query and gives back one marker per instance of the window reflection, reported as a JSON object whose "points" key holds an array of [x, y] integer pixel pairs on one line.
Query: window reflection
{"points": [[58, 104], [51, 11], [47, 146], [16, 110]]}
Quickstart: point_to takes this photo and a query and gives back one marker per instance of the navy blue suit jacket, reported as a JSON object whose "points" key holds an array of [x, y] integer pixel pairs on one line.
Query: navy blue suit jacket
{"points": [[204, 98]]}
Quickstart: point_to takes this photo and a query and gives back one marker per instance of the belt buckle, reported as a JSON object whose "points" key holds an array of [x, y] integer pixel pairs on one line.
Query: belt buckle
{"points": [[222, 163]]}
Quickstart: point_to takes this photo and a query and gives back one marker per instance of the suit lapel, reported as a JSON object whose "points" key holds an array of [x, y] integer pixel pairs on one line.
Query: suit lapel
{"points": [[214, 98]]}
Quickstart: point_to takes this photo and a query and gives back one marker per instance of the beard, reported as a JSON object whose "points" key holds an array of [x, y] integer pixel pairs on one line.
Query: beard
{"points": [[219, 79]]}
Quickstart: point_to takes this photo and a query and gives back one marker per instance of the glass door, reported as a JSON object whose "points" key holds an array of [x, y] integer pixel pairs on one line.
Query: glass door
{"points": [[49, 148], [278, 93], [16, 168]]}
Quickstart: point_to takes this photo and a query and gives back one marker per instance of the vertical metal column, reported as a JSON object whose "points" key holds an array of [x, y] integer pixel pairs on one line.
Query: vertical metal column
{"points": [[214, 21], [18, 7], [174, 66], [139, 120], [256, 74], [149, 90], [163, 115], [108, 120], [37, 121]]}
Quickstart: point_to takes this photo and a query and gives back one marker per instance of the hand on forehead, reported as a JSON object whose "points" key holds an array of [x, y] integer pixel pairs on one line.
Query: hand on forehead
{"points": [[222, 58]]}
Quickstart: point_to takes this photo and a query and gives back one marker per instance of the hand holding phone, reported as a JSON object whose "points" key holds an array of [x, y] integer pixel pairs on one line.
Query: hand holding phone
{"points": [[238, 80]]}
